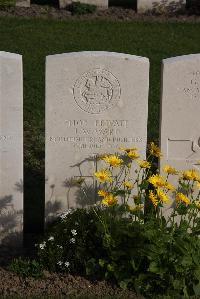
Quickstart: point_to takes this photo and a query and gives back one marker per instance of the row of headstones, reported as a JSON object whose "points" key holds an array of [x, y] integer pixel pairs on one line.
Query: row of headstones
{"points": [[95, 103], [143, 6]]}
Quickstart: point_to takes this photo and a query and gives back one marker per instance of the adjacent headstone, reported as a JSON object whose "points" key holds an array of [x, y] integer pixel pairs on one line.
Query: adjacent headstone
{"points": [[100, 4], [64, 3], [11, 149], [180, 111], [23, 3], [95, 103], [160, 6]]}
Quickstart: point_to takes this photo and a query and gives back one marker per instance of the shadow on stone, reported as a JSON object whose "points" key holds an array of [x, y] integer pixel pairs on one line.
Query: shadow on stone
{"points": [[124, 3], [33, 205], [10, 222]]}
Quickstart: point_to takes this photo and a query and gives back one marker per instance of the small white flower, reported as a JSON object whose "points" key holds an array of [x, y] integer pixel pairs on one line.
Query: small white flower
{"points": [[59, 246], [42, 245], [76, 223], [74, 232], [67, 264], [72, 240], [65, 214], [59, 263], [51, 239]]}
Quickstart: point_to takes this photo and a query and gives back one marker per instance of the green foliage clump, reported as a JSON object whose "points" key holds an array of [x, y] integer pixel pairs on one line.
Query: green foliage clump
{"points": [[119, 241], [78, 8], [151, 257], [26, 267], [7, 2], [71, 242], [113, 240]]}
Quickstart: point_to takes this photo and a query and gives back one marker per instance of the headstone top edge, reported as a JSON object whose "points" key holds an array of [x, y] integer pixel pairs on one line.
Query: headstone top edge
{"points": [[97, 54], [181, 58], [9, 55]]}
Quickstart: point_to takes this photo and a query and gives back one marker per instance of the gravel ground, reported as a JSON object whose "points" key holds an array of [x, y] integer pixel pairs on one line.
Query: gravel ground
{"points": [[56, 285], [52, 284], [113, 13]]}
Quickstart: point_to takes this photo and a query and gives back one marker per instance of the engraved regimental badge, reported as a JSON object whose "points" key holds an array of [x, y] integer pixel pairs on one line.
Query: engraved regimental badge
{"points": [[97, 91]]}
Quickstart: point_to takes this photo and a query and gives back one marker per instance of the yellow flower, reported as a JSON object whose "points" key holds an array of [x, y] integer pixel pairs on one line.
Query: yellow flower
{"points": [[144, 164], [180, 197], [155, 150], [137, 208], [109, 200], [162, 196], [157, 181], [127, 150], [197, 204], [153, 198], [170, 170], [191, 175], [102, 193], [103, 175], [133, 155], [113, 160], [128, 185], [169, 187], [198, 185]]}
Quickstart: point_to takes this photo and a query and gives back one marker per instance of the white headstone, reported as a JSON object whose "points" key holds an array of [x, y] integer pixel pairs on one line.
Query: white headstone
{"points": [[23, 3], [160, 6], [11, 148], [95, 103], [180, 111]]}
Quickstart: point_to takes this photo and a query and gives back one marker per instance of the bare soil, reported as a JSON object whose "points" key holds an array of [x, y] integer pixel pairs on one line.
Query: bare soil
{"points": [[52, 284], [113, 14], [56, 285]]}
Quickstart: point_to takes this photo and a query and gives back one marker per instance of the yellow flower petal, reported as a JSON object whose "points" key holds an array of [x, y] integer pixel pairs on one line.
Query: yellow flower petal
{"points": [[180, 197], [103, 176], [155, 150], [128, 185], [109, 200], [170, 170], [113, 160], [144, 164]]}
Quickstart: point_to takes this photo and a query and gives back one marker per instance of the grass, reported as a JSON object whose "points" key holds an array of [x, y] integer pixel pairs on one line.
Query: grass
{"points": [[70, 297], [37, 38], [7, 2]]}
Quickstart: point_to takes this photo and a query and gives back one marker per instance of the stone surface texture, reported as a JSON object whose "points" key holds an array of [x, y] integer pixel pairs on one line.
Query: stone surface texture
{"points": [[160, 6], [95, 103], [23, 3], [180, 110], [11, 148], [101, 4]]}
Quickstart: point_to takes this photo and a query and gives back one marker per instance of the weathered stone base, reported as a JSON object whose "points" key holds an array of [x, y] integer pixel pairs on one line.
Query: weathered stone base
{"points": [[23, 3], [160, 6], [101, 4]]}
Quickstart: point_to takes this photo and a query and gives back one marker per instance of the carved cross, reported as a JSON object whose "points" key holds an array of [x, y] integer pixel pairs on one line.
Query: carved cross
{"points": [[194, 156]]}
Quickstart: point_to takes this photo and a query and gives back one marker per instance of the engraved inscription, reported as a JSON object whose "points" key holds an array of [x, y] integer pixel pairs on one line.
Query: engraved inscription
{"points": [[97, 134], [97, 91], [192, 90]]}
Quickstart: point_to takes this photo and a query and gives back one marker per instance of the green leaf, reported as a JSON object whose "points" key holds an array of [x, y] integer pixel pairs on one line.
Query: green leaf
{"points": [[196, 288], [101, 262], [154, 267]]}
